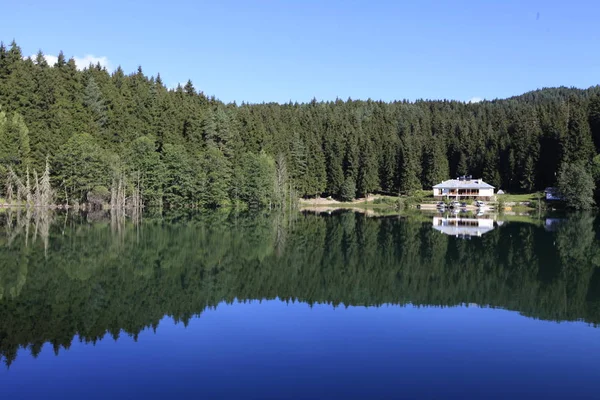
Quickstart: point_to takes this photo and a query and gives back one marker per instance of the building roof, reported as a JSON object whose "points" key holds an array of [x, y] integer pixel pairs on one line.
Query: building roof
{"points": [[463, 184]]}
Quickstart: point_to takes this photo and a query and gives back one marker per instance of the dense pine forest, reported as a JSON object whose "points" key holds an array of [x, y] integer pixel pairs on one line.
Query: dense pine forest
{"points": [[179, 147]]}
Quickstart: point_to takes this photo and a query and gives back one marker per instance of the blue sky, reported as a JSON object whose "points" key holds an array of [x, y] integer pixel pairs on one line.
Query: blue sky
{"points": [[259, 51]]}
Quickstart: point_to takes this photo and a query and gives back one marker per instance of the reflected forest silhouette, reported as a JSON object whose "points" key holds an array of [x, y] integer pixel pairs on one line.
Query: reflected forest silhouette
{"points": [[90, 275]]}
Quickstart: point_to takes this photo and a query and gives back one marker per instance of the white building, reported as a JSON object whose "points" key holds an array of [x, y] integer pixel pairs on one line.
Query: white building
{"points": [[464, 187]]}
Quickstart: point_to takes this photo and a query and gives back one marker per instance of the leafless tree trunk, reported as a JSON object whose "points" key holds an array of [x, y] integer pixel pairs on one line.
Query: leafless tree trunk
{"points": [[9, 189], [281, 180], [36, 198], [28, 196], [46, 195]]}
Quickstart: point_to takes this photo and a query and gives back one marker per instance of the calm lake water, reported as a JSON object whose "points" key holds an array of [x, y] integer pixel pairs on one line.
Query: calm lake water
{"points": [[302, 306]]}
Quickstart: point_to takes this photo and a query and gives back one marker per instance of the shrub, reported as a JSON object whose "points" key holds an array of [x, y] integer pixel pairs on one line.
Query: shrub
{"points": [[541, 205], [576, 185], [98, 196], [501, 204]]}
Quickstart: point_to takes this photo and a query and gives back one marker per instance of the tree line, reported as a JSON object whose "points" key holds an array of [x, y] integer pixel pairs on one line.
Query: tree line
{"points": [[181, 147], [90, 275]]}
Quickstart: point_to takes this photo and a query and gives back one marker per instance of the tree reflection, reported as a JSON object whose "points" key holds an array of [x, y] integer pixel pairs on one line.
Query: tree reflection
{"points": [[93, 275]]}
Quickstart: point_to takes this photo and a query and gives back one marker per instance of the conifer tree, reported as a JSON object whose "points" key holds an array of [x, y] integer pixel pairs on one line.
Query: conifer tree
{"points": [[579, 144], [218, 177], [14, 142], [92, 99], [594, 120], [368, 179]]}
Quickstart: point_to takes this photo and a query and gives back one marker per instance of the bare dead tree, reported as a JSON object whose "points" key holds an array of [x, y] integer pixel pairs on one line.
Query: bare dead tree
{"points": [[21, 188], [281, 180], [113, 195], [46, 192], [66, 195], [36, 197], [9, 189], [28, 196], [126, 194]]}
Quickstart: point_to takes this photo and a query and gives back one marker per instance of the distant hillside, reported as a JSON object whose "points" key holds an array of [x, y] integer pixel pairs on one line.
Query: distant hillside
{"points": [[183, 148]]}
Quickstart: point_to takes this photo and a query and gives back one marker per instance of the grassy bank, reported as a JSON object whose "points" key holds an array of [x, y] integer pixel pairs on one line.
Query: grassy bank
{"points": [[379, 202], [520, 198]]}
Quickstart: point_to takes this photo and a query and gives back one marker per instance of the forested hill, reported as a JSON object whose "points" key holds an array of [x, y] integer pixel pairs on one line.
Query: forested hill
{"points": [[183, 147], [550, 95]]}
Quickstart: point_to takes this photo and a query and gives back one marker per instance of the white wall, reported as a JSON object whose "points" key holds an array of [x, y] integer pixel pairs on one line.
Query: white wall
{"points": [[486, 192], [482, 192]]}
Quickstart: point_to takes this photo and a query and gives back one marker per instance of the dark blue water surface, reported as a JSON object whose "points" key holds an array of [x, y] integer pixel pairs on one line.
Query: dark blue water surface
{"points": [[302, 307]]}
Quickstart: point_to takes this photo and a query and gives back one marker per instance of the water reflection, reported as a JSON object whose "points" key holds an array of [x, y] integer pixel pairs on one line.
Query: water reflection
{"points": [[93, 275], [463, 226]]}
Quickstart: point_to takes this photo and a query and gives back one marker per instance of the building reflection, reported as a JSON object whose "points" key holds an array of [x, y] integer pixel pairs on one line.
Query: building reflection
{"points": [[463, 226]]}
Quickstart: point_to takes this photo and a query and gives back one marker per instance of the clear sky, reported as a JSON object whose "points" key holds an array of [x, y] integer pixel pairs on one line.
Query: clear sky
{"points": [[284, 50]]}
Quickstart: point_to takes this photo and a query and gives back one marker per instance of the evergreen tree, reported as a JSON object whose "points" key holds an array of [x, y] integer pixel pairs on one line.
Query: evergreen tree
{"points": [[409, 167], [14, 142], [462, 168], [594, 120], [368, 179], [491, 174], [218, 177], [576, 186], [258, 184], [435, 164], [180, 178], [92, 99], [579, 145], [348, 190]]}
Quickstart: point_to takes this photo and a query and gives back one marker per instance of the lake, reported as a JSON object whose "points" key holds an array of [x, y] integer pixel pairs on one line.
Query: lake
{"points": [[298, 306]]}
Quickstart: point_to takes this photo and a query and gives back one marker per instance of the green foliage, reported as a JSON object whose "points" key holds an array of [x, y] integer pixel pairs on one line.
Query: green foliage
{"points": [[501, 204], [218, 177], [93, 100], [99, 195], [139, 126], [594, 120], [368, 179], [409, 170], [538, 205], [143, 159], [14, 142], [435, 164], [576, 186], [181, 180], [595, 171], [80, 165], [348, 190], [258, 184], [462, 167], [596, 168]]}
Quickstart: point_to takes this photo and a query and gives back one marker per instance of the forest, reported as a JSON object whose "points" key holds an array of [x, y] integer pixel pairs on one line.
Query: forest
{"points": [[96, 130], [91, 275]]}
